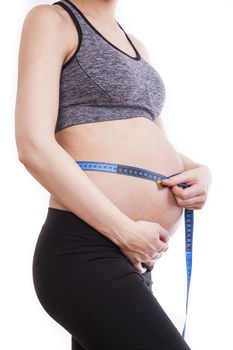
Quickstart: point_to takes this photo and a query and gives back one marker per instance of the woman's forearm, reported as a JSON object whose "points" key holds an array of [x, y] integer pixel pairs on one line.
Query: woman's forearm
{"points": [[59, 173]]}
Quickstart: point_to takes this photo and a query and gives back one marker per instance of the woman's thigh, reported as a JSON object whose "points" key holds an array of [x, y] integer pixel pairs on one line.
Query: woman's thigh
{"points": [[91, 289]]}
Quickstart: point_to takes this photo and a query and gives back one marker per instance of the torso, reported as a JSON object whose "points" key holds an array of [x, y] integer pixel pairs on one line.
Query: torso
{"points": [[137, 142]]}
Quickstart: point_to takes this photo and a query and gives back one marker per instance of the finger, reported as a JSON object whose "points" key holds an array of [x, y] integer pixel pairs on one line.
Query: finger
{"points": [[163, 247], [163, 234], [186, 193], [194, 207], [157, 256], [148, 264], [139, 267], [184, 177], [191, 201]]}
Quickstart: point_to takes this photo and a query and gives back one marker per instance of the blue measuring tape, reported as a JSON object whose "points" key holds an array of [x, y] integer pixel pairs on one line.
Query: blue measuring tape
{"points": [[156, 177]]}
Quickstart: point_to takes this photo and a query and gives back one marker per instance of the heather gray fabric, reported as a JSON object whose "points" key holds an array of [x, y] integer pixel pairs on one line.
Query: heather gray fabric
{"points": [[100, 82]]}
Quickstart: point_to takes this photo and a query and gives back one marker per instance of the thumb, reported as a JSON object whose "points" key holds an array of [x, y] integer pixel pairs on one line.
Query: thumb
{"points": [[167, 182], [139, 267], [175, 179]]}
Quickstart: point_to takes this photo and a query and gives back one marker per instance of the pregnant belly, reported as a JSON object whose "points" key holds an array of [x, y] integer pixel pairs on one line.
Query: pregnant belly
{"points": [[136, 142]]}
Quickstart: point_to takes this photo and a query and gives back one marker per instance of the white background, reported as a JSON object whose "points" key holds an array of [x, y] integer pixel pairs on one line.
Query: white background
{"points": [[190, 44]]}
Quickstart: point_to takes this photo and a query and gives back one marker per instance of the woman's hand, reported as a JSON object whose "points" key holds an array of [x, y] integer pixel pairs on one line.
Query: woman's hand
{"points": [[146, 245], [195, 196]]}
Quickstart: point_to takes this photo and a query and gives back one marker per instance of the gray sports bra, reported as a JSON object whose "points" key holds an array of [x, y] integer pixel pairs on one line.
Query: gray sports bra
{"points": [[101, 82]]}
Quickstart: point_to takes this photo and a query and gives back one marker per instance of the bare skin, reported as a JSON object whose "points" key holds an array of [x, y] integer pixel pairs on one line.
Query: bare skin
{"points": [[137, 142], [131, 211]]}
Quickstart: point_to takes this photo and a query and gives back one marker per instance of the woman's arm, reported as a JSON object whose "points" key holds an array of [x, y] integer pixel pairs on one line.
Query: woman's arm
{"points": [[41, 55], [199, 175], [196, 174], [187, 162]]}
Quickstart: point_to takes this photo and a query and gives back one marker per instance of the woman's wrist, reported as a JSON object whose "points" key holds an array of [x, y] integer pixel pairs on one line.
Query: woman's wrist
{"points": [[121, 232]]}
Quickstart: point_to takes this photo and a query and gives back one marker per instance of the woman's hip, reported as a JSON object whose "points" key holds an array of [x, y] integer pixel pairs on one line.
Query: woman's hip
{"points": [[73, 260], [87, 285]]}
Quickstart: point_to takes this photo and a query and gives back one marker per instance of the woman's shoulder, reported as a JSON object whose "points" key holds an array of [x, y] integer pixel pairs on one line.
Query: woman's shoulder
{"points": [[44, 17], [44, 12], [48, 26]]}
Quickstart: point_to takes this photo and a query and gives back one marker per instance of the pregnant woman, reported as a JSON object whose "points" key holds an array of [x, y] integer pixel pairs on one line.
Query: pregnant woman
{"points": [[87, 92]]}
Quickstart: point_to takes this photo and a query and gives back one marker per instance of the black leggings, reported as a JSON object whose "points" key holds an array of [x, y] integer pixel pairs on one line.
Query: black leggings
{"points": [[87, 285]]}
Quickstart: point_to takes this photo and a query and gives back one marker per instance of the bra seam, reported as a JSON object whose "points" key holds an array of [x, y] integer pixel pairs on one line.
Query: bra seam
{"points": [[97, 85]]}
